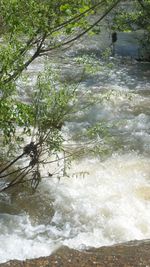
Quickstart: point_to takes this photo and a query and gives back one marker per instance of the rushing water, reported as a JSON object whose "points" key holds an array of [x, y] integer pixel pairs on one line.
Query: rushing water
{"points": [[104, 200]]}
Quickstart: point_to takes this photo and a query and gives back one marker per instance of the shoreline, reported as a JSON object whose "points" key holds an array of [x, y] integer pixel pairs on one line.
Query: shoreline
{"points": [[128, 254]]}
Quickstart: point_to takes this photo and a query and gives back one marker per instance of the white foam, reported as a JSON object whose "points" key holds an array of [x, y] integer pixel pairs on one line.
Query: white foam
{"points": [[20, 240], [104, 207], [101, 203]]}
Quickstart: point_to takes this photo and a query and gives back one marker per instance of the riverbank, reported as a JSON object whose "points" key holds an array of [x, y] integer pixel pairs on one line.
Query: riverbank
{"points": [[130, 254]]}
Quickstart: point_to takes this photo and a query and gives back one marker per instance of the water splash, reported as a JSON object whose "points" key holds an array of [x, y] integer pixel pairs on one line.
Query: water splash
{"points": [[109, 204]]}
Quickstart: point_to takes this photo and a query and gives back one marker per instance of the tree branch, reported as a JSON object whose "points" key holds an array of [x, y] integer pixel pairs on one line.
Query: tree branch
{"points": [[76, 18], [43, 51], [27, 63]]}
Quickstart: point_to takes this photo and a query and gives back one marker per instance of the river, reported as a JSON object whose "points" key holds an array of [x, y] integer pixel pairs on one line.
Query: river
{"points": [[106, 199]]}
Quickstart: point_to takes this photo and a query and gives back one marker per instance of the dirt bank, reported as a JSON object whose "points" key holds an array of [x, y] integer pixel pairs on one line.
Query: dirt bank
{"points": [[131, 254]]}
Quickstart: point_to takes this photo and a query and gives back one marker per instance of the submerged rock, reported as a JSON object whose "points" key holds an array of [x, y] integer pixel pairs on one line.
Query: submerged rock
{"points": [[130, 254]]}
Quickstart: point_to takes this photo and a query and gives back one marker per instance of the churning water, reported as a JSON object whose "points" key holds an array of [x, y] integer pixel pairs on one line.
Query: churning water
{"points": [[103, 201]]}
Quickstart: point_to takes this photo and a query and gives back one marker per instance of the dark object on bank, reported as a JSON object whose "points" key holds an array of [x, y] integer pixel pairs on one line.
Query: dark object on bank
{"points": [[114, 37]]}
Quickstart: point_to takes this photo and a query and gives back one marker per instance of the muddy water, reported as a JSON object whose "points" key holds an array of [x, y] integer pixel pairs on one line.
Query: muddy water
{"points": [[105, 199]]}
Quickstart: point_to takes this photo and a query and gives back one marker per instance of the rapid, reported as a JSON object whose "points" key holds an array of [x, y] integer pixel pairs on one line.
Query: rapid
{"points": [[105, 200]]}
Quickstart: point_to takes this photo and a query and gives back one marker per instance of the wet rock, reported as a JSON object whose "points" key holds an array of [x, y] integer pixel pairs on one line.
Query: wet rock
{"points": [[131, 254]]}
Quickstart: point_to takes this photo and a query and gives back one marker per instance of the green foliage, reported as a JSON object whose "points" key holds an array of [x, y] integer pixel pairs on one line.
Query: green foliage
{"points": [[14, 114], [132, 16], [52, 99], [39, 121], [52, 104], [29, 29]]}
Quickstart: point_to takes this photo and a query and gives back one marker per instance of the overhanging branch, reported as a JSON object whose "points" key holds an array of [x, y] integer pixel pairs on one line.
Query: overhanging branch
{"points": [[43, 51]]}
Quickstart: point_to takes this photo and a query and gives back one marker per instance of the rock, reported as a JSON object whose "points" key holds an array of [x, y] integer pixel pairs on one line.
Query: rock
{"points": [[130, 254]]}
